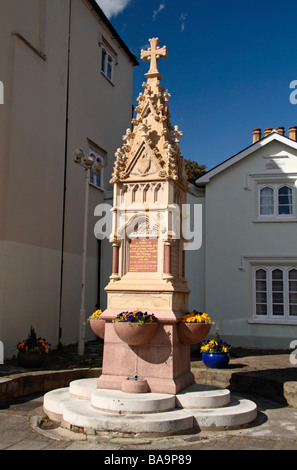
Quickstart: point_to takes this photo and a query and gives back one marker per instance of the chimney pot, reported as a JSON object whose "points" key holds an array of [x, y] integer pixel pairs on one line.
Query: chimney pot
{"points": [[256, 135], [267, 131], [280, 130], [293, 133]]}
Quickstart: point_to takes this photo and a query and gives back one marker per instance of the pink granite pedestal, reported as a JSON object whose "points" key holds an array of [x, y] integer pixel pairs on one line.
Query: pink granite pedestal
{"points": [[163, 362]]}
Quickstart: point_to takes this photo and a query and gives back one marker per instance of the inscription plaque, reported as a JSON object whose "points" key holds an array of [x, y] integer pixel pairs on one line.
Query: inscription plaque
{"points": [[175, 258], [143, 255]]}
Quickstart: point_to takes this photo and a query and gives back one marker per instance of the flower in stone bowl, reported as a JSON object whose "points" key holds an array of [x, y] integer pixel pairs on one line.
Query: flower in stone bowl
{"points": [[193, 327], [136, 317], [33, 344], [95, 315], [97, 323], [136, 328], [215, 345], [196, 317]]}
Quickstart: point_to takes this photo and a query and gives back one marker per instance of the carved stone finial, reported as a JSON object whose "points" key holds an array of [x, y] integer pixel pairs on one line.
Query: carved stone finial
{"points": [[166, 95], [153, 54], [144, 128], [177, 134], [128, 136]]}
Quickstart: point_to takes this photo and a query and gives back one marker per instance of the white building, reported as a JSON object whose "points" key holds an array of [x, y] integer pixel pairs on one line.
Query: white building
{"points": [[67, 78], [245, 273]]}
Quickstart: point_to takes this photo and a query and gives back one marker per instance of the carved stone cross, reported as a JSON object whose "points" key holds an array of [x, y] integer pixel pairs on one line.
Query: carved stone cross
{"points": [[153, 54], [177, 134]]}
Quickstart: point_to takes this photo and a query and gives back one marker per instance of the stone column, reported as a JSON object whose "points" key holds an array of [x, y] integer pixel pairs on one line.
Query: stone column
{"points": [[167, 261], [167, 258], [115, 260]]}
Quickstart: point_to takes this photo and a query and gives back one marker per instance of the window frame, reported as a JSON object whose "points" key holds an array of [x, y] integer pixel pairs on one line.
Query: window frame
{"points": [[275, 187], [260, 200], [289, 195], [107, 53], [97, 180], [269, 317]]}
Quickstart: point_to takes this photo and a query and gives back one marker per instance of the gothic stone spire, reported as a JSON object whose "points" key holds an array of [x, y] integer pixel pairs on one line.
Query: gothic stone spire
{"points": [[151, 149]]}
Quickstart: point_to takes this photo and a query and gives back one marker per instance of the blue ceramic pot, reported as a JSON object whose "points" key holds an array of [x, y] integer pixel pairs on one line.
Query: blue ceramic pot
{"points": [[215, 361]]}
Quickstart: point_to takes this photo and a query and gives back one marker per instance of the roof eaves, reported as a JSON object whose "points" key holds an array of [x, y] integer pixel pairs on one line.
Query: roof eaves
{"points": [[94, 6], [242, 154]]}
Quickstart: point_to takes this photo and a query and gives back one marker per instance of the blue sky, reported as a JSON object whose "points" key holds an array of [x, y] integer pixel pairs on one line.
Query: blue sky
{"points": [[229, 68]]}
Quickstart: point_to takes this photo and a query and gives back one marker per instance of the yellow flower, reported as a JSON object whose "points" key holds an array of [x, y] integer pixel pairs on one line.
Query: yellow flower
{"points": [[195, 317], [96, 314]]}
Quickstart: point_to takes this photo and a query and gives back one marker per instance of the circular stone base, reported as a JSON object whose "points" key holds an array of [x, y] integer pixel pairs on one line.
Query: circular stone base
{"points": [[197, 407]]}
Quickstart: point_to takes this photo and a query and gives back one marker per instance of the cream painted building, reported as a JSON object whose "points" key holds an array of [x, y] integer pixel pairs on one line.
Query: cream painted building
{"points": [[245, 273], [67, 79]]}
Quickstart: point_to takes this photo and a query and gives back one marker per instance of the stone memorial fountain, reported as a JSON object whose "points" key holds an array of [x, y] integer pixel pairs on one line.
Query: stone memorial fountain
{"points": [[146, 385]]}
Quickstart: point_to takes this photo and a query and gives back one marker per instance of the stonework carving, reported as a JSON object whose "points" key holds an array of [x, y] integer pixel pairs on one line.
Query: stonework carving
{"points": [[152, 147], [144, 166]]}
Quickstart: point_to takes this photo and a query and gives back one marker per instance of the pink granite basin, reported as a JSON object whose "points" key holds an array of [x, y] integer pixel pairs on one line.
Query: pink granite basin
{"points": [[136, 334], [192, 333], [98, 327]]}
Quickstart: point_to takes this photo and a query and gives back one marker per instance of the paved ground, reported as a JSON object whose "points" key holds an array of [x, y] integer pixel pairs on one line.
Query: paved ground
{"points": [[274, 429]]}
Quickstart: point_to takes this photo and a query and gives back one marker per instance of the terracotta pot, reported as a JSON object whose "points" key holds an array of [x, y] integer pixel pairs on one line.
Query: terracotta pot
{"points": [[192, 333], [136, 334], [30, 359], [98, 327]]}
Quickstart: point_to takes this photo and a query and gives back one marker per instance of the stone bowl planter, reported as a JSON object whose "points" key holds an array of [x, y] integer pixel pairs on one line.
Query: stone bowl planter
{"points": [[30, 359], [136, 334], [215, 360], [192, 333], [98, 327]]}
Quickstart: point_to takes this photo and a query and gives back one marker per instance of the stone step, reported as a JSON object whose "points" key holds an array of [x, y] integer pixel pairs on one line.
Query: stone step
{"points": [[203, 396], [122, 402], [89, 418], [238, 413], [83, 388], [54, 401]]}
